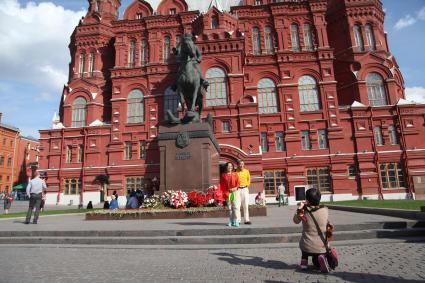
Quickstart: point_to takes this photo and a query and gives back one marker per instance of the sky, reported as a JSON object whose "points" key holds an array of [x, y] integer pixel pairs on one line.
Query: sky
{"points": [[34, 54]]}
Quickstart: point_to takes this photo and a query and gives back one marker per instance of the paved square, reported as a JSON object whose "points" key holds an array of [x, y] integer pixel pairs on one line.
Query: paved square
{"points": [[368, 262]]}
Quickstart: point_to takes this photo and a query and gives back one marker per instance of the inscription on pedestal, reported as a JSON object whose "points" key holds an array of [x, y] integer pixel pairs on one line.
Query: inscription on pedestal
{"points": [[183, 156]]}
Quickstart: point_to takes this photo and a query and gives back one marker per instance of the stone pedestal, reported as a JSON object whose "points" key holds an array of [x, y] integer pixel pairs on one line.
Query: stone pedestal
{"points": [[189, 157]]}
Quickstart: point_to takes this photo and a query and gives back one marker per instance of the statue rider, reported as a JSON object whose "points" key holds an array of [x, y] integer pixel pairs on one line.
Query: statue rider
{"points": [[197, 56]]}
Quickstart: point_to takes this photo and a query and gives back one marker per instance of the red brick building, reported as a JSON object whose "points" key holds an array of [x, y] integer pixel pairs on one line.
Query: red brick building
{"points": [[306, 92], [18, 157]]}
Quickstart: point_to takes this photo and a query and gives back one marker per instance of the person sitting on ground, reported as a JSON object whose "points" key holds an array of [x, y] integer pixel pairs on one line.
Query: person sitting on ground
{"points": [[106, 204], [140, 196], [311, 244], [260, 199], [90, 205], [114, 202], [132, 202]]}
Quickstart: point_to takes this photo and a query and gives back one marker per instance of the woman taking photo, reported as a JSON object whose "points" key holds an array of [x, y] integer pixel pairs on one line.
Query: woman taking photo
{"points": [[229, 184]]}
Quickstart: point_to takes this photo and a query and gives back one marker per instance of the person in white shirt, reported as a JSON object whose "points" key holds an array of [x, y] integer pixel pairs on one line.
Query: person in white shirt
{"points": [[281, 194], [35, 190]]}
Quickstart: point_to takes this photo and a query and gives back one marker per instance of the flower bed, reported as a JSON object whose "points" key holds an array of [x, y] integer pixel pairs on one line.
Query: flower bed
{"points": [[168, 213]]}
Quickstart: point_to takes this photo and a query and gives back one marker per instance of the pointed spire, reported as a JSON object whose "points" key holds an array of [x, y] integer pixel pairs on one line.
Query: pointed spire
{"points": [[56, 124], [216, 3], [55, 117]]}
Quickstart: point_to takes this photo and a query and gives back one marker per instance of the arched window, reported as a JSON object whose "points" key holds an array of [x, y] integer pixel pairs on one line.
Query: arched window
{"points": [[167, 48], [135, 107], [295, 37], [91, 64], [214, 22], [309, 94], [79, 112], [370, 37], [376, 90], [171, 102], [256, 43], [392, 133], [268, 40], [267, 96], [217, 91], [308, 37], [144, 52], [358, 37], [82, 64], [178, 39], [132, 54], [98, 6]]}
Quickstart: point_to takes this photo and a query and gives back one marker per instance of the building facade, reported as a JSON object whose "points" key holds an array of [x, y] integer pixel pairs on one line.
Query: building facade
{"points": [[306, 92], [18, 157]]}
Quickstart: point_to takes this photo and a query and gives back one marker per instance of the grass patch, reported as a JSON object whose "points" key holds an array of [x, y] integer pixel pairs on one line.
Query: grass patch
{"points": [[398, 204], [48, 212]]}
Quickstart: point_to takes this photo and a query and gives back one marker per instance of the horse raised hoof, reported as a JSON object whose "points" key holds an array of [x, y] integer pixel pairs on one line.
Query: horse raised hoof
{"points": [[172, 119]]}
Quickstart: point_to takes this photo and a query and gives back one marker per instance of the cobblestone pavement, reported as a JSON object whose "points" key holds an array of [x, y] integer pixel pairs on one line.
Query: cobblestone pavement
{"points": [[369, 262]]}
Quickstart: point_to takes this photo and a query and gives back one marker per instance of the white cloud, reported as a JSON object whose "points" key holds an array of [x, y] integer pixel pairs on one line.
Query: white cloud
{"points": [[34, 42], [416, 94], [405, 22], [421, 14], [409, 20]]}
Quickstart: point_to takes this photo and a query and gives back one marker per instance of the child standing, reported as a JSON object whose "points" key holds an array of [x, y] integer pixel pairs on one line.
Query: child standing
{"points": [[7, 202], [311, 244]]}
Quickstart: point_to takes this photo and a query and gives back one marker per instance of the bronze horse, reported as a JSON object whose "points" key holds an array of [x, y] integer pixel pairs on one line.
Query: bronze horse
{"points": [[190, 83]]}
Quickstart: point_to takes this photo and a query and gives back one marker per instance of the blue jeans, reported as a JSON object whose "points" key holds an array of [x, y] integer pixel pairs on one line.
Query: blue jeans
{"points": [[281, 200]]}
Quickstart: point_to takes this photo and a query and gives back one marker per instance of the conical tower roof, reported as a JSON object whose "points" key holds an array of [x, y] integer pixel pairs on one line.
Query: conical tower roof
{"points": [[217, 4]]}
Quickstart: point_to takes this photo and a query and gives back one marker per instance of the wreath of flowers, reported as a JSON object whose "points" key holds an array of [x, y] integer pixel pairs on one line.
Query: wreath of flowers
{"points": [[151, 202], [166, 198], [178, 199]]}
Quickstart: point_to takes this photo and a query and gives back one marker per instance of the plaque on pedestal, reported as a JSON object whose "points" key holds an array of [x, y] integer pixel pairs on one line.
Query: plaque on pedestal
{"points": [[189, 157]]}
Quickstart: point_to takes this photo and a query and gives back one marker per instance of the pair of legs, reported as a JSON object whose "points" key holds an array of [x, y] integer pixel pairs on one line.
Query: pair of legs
{"points": [[6, 207], [304, 259], [281, 200], [35, 202], [319, 261], [235, 210], [244, 202]]}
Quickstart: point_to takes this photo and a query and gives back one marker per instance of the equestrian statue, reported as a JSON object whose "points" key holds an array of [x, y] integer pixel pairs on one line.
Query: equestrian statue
{"points": [[190, 85]]}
